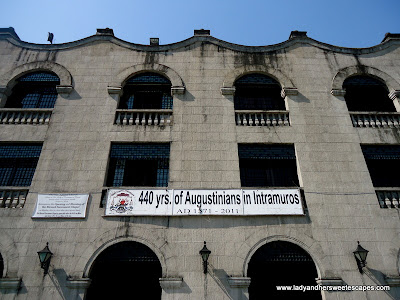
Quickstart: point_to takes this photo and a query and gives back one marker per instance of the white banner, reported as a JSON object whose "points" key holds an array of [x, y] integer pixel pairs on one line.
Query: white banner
{"points": [[203, 202], [61, 206]]}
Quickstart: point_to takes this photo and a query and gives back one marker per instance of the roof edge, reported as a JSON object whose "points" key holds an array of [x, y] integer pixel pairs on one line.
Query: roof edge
{"points": [[294, 38]]}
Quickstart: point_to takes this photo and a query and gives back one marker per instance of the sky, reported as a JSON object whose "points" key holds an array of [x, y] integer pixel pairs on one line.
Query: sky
{"points": [[346, 23]]}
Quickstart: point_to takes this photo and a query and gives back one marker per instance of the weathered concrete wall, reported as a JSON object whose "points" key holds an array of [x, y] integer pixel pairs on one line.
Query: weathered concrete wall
{"points": [[342, 205]]}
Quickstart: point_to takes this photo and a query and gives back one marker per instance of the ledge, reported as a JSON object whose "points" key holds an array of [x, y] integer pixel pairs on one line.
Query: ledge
{"points": [[392, 280], [286, 91], [81, 283], [178, 90], [114, 90], [228, 90], [239, 282], [10, 284], [64, 89], [337, 92], [168, 283], [334, 281]]}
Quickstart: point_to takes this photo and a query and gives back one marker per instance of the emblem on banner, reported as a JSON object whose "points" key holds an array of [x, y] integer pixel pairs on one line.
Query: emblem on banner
{"points": [[122, 202]]}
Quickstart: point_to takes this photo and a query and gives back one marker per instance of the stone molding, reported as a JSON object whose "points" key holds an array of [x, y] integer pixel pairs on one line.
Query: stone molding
{"points": [[239, 282], [114, 90], [168, 283], [343, 74], [81, 283], [64, 89], [394, 95], [334, 281], [178, 90], [228, 90], [10, 284], [9, 78], [338, 92], [289, 91], [392, 280]]}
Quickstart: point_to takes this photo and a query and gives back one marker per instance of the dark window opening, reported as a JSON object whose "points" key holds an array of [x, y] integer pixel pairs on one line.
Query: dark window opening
{"points": [[281, 264], [146, 91], [18, 163], [258, 92], [139, 165], [1, 266], [123, 269], [365, 93], [34, 90], [267, 166], [383, 163]]}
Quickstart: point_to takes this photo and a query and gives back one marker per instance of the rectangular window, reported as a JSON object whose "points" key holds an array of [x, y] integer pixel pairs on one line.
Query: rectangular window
{"points": [[18, 163], [139, 165], [383, 163], [267, 165]]}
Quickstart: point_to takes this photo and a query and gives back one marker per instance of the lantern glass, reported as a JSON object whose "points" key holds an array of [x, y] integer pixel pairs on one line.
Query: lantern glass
{"points": [[205, 253], [45, 254]]}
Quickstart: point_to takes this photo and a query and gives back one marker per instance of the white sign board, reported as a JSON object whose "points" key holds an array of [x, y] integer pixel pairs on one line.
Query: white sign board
{"points": [[61, 206], [203, 202]]}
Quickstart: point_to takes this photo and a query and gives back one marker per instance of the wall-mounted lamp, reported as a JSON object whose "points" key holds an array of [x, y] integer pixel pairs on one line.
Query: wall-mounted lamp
{"points": [[45, 257], [205, 253], [361, 257]]}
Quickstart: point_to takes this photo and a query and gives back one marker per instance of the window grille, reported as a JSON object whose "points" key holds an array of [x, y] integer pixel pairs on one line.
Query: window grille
{"points": [[151, 78], [18, 163], [258, 92], [267, 165], [383, 163], [34, 90], [147, 91], [364, 93], [139, 165], [40, 76]]}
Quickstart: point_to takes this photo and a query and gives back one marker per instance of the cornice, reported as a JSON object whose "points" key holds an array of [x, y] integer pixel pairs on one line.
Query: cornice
{"points": [[201, 39]]}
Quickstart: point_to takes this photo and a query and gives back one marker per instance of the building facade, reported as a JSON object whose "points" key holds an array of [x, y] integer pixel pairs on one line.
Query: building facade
{"points": [[127, 158]]}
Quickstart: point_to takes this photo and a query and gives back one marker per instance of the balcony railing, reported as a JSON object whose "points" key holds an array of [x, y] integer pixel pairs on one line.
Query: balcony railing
{"points": [[25, 116], [262, 118], [389, 198], [143, 117], [375, 119], [12, 198]]}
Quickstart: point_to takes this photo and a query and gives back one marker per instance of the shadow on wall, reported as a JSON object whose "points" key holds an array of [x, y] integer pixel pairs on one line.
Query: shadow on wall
{"points": [[184, 289], [221, 279], [300, 98], [379, 278], [59, 279]]}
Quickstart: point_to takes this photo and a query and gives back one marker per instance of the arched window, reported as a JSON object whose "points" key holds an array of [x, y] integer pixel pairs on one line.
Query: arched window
{"points": [[146, 91], [1, 266], [126, 270], [34, 90], [279, 264], [258, 92], [364, 93]]}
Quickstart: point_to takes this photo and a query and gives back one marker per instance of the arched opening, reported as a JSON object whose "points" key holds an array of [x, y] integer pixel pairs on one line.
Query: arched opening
{"points": [[126, 270], [284, 264], [34, 90], [1, 266], [146, 91], [365, 93], [258, 92]]}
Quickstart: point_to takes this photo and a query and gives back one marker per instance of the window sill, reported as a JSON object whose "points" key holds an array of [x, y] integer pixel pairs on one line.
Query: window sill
{"points": [[143, 117], [375, 119], [13, 197], [262, 117], [25, 115], [388, 197]]}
